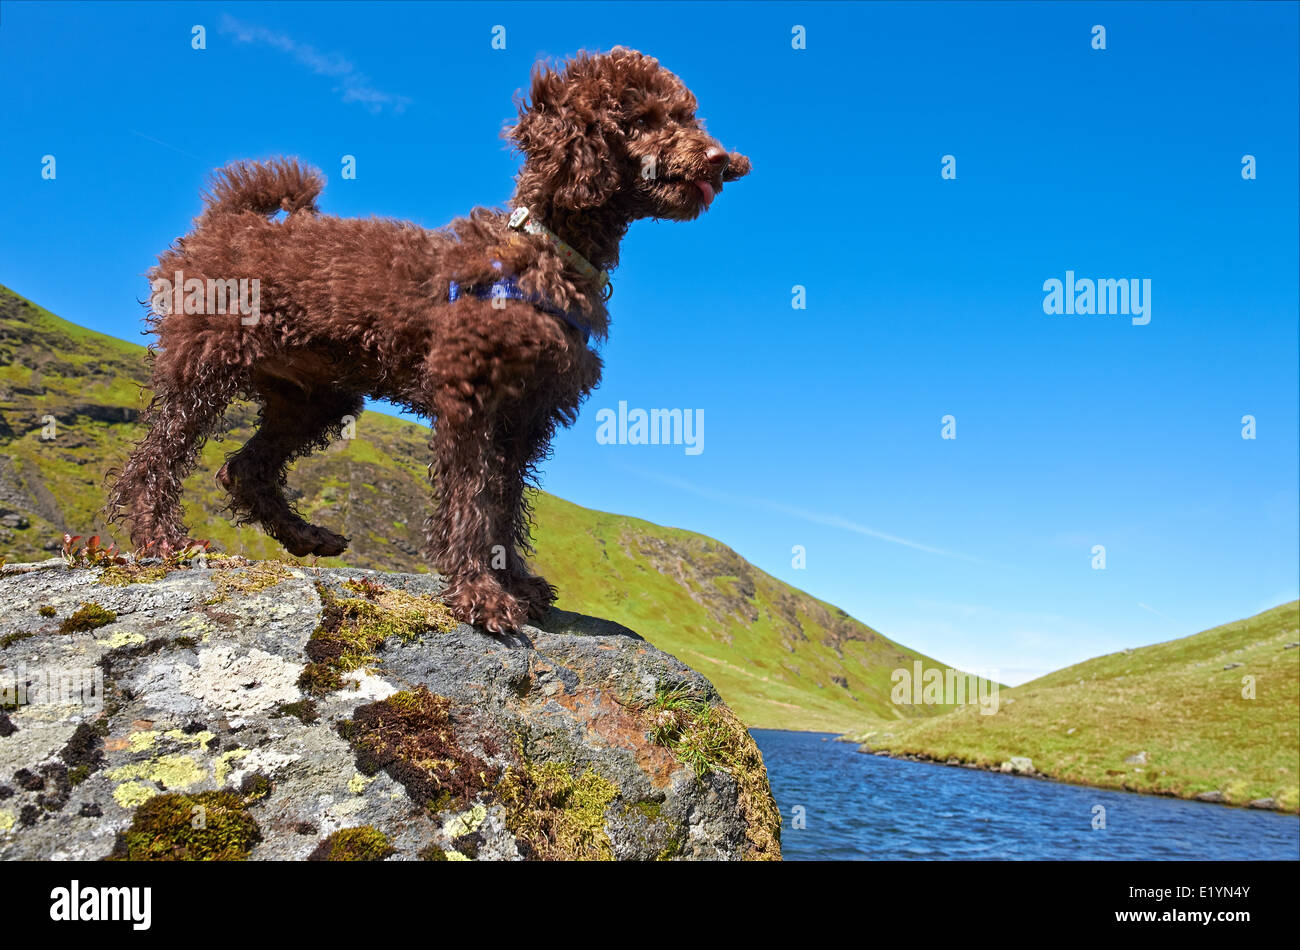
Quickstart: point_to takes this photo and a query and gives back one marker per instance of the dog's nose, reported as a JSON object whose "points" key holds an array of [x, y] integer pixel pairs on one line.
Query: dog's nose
{"points": [[717, 157], [737, 167]]}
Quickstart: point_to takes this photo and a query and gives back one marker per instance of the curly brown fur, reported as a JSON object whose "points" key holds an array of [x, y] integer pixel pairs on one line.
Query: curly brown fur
{"points": [[352, 308]]}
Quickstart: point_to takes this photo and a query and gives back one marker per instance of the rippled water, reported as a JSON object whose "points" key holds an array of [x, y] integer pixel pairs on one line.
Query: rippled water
{"points": [[865, 806]]}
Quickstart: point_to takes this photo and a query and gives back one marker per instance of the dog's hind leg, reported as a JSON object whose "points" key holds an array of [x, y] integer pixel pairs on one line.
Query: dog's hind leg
{"points": [[147, 492], [292, 424]]}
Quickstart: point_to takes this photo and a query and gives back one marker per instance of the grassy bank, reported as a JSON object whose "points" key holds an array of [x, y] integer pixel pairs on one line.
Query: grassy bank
{"points": [[1216, 714]]}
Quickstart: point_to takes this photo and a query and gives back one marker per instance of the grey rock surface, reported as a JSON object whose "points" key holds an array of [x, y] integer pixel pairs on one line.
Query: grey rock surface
{"points": [[196, 685]]}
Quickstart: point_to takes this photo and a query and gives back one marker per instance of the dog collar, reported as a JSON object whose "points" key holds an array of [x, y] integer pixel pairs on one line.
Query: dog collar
{"points": [[522, 220]]}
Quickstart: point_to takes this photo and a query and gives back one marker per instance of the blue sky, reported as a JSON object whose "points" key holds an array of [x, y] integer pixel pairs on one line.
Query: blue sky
{"points": [[924, 295]]}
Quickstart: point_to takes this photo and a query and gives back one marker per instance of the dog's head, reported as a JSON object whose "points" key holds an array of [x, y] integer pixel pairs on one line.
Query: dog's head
{"points": [[618, 130]]}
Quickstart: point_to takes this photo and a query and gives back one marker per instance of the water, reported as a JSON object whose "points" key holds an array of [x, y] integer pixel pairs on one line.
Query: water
{"points": [[865, 806]]}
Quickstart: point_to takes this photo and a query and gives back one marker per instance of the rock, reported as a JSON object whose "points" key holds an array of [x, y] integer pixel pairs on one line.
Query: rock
{"points": [[1139, 758], [1215, 796], [1267, 804], [339, 714], [1071, 731], [1021, 765], [1292, 645]]}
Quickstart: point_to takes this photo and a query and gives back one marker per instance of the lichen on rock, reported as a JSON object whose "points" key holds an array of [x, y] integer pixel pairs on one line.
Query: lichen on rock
{"points": [[339, 714]]}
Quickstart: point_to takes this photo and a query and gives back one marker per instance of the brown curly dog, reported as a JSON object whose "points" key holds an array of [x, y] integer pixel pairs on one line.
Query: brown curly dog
{"points": [[480, 326]]}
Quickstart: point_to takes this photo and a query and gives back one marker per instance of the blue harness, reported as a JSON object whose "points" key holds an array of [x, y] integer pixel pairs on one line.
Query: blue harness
{"points": [[507, 289]]}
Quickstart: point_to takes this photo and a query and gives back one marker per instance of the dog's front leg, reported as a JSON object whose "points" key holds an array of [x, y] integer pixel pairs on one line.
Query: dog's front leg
{"points": [[523, 438], [466, 536]]}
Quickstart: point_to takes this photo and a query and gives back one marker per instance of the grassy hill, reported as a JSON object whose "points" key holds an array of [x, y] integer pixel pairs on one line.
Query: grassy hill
{"points": [[781, 658], [1182, 703]]}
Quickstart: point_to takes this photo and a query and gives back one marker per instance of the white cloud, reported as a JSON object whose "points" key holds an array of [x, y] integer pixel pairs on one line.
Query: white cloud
{"points": [[831, 521], [1156, 612], [354, 85]]}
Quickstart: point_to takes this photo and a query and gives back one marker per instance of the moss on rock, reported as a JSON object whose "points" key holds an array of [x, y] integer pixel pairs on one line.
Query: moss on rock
{"points": [[411, 736], [354, 844], [353, 629], [89, 616], [209, 826], [83, 753], [245, 580], [121, 575], [556, 816], [709, 737], [318, 679], [304, 710]]}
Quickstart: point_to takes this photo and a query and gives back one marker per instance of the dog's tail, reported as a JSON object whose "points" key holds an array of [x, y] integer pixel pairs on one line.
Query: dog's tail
{"points": [[281, 184]]}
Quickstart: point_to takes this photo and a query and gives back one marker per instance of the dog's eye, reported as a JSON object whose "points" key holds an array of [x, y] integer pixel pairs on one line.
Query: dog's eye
{"points": [[652, 118]]}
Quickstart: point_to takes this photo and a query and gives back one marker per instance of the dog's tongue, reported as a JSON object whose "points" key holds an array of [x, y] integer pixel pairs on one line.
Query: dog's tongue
{"points": [[706, 190]]}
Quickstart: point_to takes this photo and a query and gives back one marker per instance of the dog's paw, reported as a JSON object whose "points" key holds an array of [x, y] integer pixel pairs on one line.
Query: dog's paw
{"points": [[330, 545], [167, 545], [312, 539], [535, 592], [482, 602]]}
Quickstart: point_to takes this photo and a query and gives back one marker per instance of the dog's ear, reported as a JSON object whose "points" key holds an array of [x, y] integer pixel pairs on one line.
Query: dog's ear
{"points": [[564, 134]]}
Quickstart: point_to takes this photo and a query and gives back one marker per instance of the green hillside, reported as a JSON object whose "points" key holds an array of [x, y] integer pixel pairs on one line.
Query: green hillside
{"points": [[781, 658], [1184, 703]]}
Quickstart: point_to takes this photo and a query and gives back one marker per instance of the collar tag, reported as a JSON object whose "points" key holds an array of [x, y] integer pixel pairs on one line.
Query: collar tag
{"points": [[519, 220]]}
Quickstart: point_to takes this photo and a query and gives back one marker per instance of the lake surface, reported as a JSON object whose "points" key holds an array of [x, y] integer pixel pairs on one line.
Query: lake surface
{"points": [[860, 806]]}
